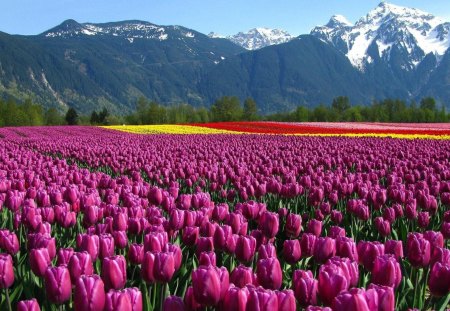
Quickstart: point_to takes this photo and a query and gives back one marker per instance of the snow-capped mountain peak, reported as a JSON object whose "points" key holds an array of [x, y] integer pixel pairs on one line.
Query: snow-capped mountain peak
{"points": [[338, 20], [257, 38], [409, 32], [129, 30]]}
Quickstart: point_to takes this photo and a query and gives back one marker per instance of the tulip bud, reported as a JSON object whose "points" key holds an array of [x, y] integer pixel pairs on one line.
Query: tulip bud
{"points": [[354, 299], [268, 223], [293, 225], [368, 252], [267, 251], [305, 287], [164, 267], [177, 254], [147, 267], [190, 235], [63, 256], [346, 247], [332, 281], [380, 297], [315, 227], [445, 230], [117, 300], [419, 250], [242, 276], [80, 264], [9, 242], [423, 219], [386, 271], [136, 254], [207, 259], [324, 249], [114, 272], [439, 281], [263, 300], [28, 305], [89, 293], [286, 300], [6, 271], [57, 284], [336, 217], [236, 299], [90, 244], [173, 303], [206, 285], [394, 247], [441, 255], [269, 274], [307, 243], [106, 245], [135, 298], [120, 239], [291, 251], [245, 248], [39, 261]]}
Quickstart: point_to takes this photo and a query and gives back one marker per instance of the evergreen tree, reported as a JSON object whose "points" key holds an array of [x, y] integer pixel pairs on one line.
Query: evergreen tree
{"points": [[94, 118], [72, 117]]}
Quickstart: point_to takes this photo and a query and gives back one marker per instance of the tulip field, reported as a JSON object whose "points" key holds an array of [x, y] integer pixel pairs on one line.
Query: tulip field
{"points": [[225, 216]]}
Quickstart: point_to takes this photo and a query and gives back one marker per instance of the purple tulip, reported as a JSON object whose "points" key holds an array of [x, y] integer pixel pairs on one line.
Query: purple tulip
{"points": [[89, 293], [394, 247], [293, 225], [286, 300], [346, 247], [39, 261], [164, 267], [117, 300], [262, 300], [63, 256], [380, 297], [136, 254], [80, 264], [435, 238], [120, 239], [28, 305], [242, 276], [207, 259], [439, 281], [386, 271], [245, 248], [441, 255], [90, 244], [332, 280], [419, 250], [307, 243], [291, 251], [269, 223], [114, 272], [135, 298], [147, 267], [235, 299], [269, 274], [305, 287], [6, 271], [336, 217], [267, 251], [315, 227], [445, 230], [352, 300], [324, 249], [190, 235], [206, 285], [177, 254], [173, 303], [58, 286], [368, 252]]}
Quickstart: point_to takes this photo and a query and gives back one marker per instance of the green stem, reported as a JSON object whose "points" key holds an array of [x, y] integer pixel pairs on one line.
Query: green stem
{"points": [[163, 295], [8, 300]]}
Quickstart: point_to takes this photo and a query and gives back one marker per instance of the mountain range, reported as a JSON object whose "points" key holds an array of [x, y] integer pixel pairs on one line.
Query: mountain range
{"points": [[393, 52]]}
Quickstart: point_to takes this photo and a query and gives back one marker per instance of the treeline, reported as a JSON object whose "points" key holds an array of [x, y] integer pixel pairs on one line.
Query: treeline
{"points": [[227, 108], [388, 110], [224, 109]]}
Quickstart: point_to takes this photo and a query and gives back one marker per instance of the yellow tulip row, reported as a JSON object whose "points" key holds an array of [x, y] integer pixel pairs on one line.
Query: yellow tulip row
{"points": [[168, 129], [188, 129]]}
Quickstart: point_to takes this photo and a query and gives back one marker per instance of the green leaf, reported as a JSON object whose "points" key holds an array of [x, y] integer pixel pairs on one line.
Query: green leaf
{"points": [[443, 303]]}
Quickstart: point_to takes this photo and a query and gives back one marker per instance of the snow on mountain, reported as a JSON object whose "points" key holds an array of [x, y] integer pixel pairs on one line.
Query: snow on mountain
{"points": [[258, 38], [130, 30], [390, 29]]}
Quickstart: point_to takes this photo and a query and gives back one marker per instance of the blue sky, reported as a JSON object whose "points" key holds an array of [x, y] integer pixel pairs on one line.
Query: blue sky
{"points": [[221, 16]]}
